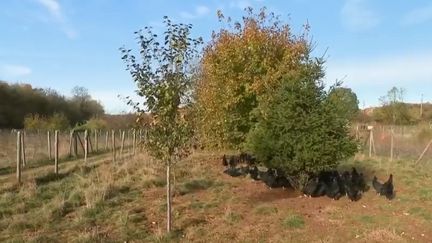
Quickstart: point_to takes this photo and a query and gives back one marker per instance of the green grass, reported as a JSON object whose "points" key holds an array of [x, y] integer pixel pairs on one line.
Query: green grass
{"points": [[265, 210], [421, 212], [195, 185], [293, 221], [366, 219], [232, 217]]}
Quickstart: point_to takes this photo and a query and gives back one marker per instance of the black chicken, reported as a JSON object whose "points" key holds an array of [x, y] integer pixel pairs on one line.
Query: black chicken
{"points": [[224, 160], [233, 160], [320, 190], [269, 178], [377, 185], [333, 190], [234, 172], [387, 188], [311, 186]]}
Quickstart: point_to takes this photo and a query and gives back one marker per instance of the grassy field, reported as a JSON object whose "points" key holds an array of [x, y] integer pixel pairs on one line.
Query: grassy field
{"points": [[106, 202]]}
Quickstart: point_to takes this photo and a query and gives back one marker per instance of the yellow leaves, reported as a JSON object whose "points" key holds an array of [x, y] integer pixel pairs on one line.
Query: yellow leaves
{"points": [[240, 65]]}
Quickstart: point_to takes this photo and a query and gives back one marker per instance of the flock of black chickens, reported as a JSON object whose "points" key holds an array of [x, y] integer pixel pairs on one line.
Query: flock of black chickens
{"points": [[328, 183]]}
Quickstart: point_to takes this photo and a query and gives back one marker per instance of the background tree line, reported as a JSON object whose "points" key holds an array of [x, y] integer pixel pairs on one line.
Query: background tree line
{"points": [[45, 108]]}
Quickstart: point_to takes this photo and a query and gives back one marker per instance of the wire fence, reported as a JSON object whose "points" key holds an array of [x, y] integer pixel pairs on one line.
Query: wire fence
{"points": [[396, 142], [393, 142], [39, 147]]}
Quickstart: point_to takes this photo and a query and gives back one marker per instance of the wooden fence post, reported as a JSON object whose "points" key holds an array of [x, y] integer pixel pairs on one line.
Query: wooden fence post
{"points": [[18, 147], [23, 153], [56, 151], [106, 141], [70, 143], [96, 140], [122, 143], [49, 144], [113, 145], [391, 144], [133, 141], [371, 141], [423, 153], [86, 146], [75, 141]]}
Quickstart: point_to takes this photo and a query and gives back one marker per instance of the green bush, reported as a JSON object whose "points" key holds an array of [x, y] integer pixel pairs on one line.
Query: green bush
{"points": [[299, 129]]}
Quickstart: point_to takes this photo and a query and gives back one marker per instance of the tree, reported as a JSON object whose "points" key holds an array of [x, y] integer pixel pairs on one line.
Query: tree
{"points": [[394, 111], [238, 64], [346, 100], [300, 129], [164, 79], [44, 103]]}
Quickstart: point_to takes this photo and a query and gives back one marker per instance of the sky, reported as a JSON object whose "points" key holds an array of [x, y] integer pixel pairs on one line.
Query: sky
{"points": [[370, 45]]}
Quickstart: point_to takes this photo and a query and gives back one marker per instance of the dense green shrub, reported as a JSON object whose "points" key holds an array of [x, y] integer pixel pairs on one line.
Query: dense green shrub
{"points": [[300, 130]]}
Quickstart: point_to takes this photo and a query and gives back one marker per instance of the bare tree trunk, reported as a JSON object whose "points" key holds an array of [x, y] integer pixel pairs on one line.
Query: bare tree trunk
{"points": [[168, 192]]}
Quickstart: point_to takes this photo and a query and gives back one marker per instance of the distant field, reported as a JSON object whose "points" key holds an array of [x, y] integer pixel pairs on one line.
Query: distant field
{"points": [[106, 202]]}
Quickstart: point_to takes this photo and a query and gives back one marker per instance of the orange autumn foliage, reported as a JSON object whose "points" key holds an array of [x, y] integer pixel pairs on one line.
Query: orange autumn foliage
{"points": [[241, 63]]}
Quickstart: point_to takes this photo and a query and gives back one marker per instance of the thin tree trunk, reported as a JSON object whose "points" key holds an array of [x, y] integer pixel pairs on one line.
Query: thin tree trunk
{"points": [[168, 192]]}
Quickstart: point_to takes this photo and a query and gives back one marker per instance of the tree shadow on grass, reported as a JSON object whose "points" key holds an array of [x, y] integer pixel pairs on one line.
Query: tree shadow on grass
{"points": [[45, 179]]}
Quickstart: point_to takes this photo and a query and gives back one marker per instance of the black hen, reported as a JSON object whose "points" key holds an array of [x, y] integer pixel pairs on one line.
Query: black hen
{"points": [[269, 178], [352, 191], [320, 190], [282, 181], [244, 170], [311, 186], [233, 161], [377, 185], [387, 188], [224, 160], [247, 158], [253, 172], [234, 172], [333, 190]]}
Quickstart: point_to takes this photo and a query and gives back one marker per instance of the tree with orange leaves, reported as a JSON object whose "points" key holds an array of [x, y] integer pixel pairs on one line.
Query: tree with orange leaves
{"points": [[241, 62]]}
